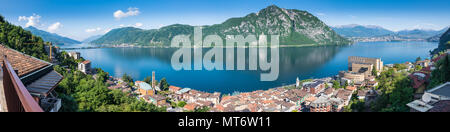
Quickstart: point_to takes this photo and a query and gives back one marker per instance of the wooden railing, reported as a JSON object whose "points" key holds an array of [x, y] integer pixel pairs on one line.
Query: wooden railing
{"points": [[18, 99]]}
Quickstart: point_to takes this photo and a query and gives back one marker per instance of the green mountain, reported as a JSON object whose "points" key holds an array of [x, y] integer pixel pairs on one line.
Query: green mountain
{"points": [[444, 41], [354, 30], [21, 40], [51, 37], [436, 38], [295, 27]]}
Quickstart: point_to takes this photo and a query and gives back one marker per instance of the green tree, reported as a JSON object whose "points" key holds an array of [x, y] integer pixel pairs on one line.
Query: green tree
{"points": [[396, 92], [126, 78], [79, 92], [374, 71], [418, 59], [399, 66], [442, 72], [336, 84], [418, 68], [202, 109], [181, 104], [345, 85], [164, 85], [148, 79]]}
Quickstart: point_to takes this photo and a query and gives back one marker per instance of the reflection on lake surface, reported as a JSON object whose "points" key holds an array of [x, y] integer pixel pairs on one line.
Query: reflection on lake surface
{"points": [[302, 62]]}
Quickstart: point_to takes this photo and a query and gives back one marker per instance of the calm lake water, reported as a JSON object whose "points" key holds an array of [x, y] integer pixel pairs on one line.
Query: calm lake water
{"points": [[302, 62]]}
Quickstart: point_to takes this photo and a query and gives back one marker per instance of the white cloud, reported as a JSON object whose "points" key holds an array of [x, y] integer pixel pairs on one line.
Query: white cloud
{"points": [[33, 20], [55, 26], [132, 11], [107, 30], [138, 24], [90, 30]]}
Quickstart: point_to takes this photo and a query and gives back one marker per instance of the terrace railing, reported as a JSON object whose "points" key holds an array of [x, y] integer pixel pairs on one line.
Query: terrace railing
{"points": [[18, 99]]}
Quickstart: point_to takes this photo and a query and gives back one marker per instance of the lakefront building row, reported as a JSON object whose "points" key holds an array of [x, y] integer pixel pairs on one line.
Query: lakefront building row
{"points": [[319, 95], [316, 95]]}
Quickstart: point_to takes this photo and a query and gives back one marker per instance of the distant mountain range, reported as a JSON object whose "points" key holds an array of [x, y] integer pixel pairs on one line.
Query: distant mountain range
{"points": [[295, 27], [420, 33], [51, 37], [354, 30], [377, 33], [91, 38]]}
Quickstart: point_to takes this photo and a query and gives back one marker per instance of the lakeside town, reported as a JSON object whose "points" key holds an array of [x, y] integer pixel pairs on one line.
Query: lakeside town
{"points": [[358, 85], [328, 67], [330, 94]]}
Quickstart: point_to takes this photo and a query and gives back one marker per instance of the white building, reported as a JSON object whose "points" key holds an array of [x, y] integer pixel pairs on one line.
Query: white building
{"points": [[74, 55], [85, 67]]}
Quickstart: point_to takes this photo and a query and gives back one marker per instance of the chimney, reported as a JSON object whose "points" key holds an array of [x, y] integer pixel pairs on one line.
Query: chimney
{"points": [[153, 79]]}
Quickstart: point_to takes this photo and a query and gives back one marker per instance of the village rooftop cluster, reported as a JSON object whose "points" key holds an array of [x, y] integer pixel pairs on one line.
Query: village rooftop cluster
{"points": [[312, 95]]}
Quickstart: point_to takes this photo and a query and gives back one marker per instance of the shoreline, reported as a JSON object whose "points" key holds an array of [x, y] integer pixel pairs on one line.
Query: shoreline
{"points": [[310, 45], [95, 46], [138, 46]]}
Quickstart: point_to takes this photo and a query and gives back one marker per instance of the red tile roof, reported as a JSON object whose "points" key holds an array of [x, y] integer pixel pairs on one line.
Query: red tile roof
{"points": [[439, 57], [37, 75], [352, 88], [253, 107], [86, 62], [174, 88], [190, 106], [416, 81], [219, 107], [23, 63], [225, 98], [329, 91]]}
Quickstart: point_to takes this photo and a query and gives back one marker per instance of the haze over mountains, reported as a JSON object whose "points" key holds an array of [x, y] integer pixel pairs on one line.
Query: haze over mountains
{"points": [[91, 38], [355, 30], [51, 37], [370, 32], [295, 27]]}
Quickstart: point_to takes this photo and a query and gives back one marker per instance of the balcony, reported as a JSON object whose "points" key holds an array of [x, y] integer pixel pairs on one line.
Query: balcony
{"points": [[15, 94]]}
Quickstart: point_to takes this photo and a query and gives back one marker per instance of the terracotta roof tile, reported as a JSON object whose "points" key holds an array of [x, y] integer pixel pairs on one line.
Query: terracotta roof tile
{"points": [[86, 62], [174, 88], [23, 63], [190, 106]]}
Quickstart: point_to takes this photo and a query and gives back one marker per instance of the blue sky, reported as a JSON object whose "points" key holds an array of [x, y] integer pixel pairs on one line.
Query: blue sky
{"points": [[80, 19]]}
